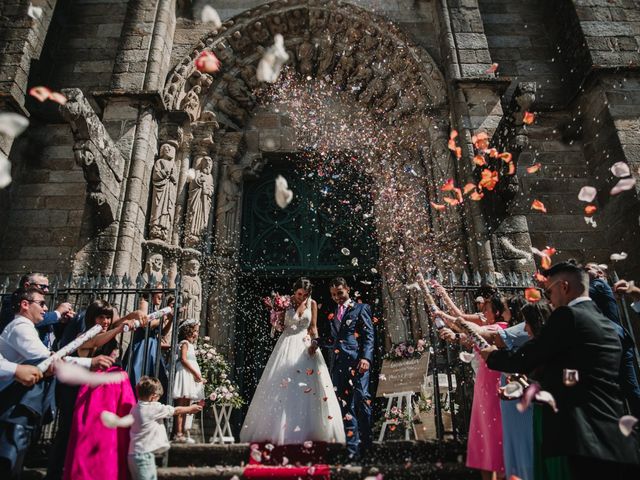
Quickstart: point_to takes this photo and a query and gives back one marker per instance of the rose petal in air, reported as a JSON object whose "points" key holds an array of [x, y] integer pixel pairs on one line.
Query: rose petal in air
{"points": [[40, 93], [34, 12], [210, 15], [448, 186], [207, 62], [626, 424], [438, 207], [528, 118], [345, 251], [12, 124], [538, 205], [620, 169], [623, 185], [5, 170], [308, 444], [58, 98], [532, 295], [617, 257], [534, 168], [492, 68], [466, 357], [283, 195], [590, 209], [545, 397], [587, 194], [513, 390]]}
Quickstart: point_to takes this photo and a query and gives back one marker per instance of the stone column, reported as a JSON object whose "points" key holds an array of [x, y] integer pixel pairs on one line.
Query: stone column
{"points": [[222, 300]]}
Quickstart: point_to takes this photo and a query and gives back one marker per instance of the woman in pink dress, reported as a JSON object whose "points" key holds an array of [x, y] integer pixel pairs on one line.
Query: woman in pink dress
{"points": [[484, 445]]}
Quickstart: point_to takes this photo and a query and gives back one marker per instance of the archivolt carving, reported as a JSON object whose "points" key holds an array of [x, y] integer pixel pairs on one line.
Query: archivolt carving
{"points": [[304, 23]]}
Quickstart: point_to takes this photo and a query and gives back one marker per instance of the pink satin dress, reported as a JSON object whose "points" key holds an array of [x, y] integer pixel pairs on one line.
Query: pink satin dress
{"points": [[484, 447], [96, 452]]}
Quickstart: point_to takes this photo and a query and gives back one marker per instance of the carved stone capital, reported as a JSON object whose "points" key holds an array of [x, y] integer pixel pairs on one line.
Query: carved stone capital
{"points": [[96, 153]]}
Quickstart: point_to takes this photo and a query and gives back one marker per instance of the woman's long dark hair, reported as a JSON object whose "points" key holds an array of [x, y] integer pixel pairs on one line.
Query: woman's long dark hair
{"points": [[536, 314], [303, 283], [497, 305], [97, 308]]}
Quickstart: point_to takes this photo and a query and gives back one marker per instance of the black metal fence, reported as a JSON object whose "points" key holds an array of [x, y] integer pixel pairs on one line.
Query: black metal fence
{"points": [[127, 294]]}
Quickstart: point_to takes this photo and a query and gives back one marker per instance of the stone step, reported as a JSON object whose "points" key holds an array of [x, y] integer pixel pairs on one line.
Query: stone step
{"points": [[390, 452]]}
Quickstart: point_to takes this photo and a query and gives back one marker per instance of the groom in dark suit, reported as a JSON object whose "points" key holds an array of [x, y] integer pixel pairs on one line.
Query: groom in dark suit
{"points": [[347, 340], [579, 337]]}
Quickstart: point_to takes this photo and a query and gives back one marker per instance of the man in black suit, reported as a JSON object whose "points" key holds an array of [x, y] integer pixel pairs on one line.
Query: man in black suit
{"points": [[578, 337]]}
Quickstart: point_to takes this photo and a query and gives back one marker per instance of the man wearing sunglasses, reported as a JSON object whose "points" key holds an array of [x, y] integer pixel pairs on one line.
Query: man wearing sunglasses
{"points": [[60, 315], [579, 337]]}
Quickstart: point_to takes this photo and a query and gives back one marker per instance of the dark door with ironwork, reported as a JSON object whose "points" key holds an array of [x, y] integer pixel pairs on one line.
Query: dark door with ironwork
{"points": [[327, 230]]}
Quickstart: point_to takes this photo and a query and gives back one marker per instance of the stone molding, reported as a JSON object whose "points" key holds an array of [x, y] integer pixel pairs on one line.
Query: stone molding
{"points": [[97, 154]]}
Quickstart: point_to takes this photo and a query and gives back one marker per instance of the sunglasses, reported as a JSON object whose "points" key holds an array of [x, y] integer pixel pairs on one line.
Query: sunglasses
{"points": [[547, 291], [41, 286], [42, 303]]}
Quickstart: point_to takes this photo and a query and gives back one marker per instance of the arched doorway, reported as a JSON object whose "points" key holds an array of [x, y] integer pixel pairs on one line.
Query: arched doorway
{"points": [[327, 230]]}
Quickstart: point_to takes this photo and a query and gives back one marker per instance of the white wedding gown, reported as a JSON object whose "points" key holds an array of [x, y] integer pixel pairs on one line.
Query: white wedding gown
{"points": [[295, 401]]}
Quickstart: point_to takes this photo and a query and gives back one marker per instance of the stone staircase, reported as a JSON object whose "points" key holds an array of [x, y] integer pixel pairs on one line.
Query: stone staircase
{"points": [[564, 172], [393, 459]]}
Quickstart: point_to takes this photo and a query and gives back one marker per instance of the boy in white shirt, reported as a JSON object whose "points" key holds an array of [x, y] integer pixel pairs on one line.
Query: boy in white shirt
{"points": [[148, 434]]}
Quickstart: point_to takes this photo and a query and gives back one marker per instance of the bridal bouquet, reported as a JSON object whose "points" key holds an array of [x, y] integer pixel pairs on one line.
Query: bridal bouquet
{"points": [[277, 305]]}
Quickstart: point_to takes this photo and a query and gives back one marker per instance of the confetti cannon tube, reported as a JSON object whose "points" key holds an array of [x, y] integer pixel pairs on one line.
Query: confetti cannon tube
{"points": [[70, 347]]}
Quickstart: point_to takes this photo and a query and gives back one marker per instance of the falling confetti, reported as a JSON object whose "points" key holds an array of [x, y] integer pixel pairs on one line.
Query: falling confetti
{"points": [[620, 169], [5, 170], [466, 357], [207, 62], [12, 124], [590, 209], [534, 168], [532, 295], [35, 12], [626, 424], [528, 118], [210, 15], [617, 257], [272, 61], [283, 195], [623, 185], [587, 194], [492, 68], [538, 205], [345, 251]]}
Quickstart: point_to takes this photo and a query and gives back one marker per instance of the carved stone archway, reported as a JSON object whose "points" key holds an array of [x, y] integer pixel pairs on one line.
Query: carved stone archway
{"points": [[209, 130]]}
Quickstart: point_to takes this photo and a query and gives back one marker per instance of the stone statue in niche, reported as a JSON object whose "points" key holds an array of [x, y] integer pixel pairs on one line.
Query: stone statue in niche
{"points": [[153, 268], [259, 33], [199, 204], [164, 179], [238, 90], [240, 43], [327, 56], [375, 89], [228, 211], [338, 25], [276, 24], [296, 20], [230, 108], [191, 290], [318, 20], [191, 103], [306, 55], [248, 75], [345, 67]]}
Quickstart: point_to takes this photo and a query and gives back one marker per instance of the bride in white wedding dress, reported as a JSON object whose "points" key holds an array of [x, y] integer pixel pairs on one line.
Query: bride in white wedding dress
{"points": [[295, 401]]}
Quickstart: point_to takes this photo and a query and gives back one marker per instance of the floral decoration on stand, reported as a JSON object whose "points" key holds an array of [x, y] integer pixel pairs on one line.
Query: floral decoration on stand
{"points": [[277, 305], [406, 350], [219, 389]]}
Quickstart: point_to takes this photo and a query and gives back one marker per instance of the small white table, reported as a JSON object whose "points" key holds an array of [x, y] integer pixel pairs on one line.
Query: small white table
{"points": [[222, 430]]}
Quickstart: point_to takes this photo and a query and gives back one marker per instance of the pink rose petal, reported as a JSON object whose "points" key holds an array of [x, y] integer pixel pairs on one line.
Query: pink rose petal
{"points": [[626, 424], [620, 169], [587, 194], [466, 357], [623, 185]]}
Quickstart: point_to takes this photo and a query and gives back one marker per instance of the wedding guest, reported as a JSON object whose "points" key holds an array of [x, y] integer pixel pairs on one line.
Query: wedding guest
{"points": [[578, 337], [148, 434], [602, 295], [189, 384], [484, 445], [27, 375], [103, 345], [56, 318], [624, 287], [477, 318]]}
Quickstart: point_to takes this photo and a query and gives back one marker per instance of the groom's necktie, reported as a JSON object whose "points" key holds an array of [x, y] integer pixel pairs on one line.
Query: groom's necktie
{"points": [[338, 320]]}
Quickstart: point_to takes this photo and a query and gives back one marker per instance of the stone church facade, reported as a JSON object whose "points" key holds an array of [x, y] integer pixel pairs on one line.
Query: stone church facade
{"points": [[145, 168]]}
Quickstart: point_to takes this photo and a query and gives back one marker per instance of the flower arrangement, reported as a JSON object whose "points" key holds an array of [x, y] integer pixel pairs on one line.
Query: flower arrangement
{"points": [[277, 305], [405, 350], [219, 389]]}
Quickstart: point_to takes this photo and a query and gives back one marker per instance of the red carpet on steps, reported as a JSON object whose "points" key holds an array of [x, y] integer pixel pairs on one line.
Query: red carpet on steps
{"points": [[288, 461], [319, 472]]}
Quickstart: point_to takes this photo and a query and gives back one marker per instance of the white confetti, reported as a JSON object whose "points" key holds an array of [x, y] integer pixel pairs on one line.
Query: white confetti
{"points": [[620, 169], [5, 171], [466, 357], [623, 185], [35, 12], [272, 61], [111, 420], [72, 374], [345, 251], [616, 257], [308, 444], [210, 15], [626, 424], [590, 221], [587, 194], [354, 261], [283, 194], [513, 390], [12, 124]]}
